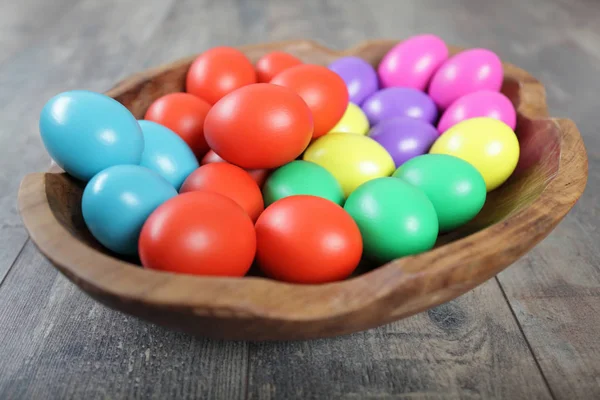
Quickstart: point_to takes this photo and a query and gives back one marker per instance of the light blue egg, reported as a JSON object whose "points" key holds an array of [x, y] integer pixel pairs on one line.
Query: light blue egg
{"points": [[117, 201], [167, 153], [86, 132]]}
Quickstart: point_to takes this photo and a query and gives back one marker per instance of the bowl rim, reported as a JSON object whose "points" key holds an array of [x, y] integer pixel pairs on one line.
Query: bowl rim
{"points": [[442, 273]]}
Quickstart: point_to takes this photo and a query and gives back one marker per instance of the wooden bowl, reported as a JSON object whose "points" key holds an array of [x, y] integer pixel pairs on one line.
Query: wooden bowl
{"points": [[550, 177]]}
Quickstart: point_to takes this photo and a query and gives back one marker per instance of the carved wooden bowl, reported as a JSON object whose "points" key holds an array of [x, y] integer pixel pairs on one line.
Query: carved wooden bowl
{"points": [[550, 177]]}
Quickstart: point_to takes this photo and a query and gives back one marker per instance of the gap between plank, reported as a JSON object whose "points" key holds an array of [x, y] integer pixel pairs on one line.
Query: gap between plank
{"points": [[14, 262], [512, 311]]}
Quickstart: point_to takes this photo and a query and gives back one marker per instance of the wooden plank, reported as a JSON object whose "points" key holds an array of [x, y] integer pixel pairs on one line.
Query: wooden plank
{"points": [[66, 54], [555, 294], [468, 348], [57, 343]]}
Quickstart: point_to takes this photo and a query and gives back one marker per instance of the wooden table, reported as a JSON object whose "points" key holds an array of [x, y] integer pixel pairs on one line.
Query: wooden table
{"points": [[531, 332]]}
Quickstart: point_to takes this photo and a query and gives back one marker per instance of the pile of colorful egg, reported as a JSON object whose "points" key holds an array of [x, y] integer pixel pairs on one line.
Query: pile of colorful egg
{"points": [[303, 168]]}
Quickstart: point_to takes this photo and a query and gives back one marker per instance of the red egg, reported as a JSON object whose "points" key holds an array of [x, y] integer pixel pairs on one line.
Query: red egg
{"points": [[307, 239], [259, 175], [184, 114], [259, 126], [230, 181], [323, 90], [219, 71], [199, 233], [273, 63]]}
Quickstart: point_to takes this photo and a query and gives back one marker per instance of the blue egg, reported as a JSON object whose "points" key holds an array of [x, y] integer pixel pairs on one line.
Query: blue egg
{"points": [[117, 201], [167, 153], [86, 132]]}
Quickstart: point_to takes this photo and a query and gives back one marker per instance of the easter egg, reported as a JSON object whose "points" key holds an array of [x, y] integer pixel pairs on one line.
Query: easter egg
{"points": [[259, 175], [307, 239], [467, 72], [360, 77], [86, 132], [271, 64], [404, 137], [413, 62], [259, 126], [219, 71], [455, 188], [354, 120], [488, 144], [230, 181], [323, 91], [399, 102], [395, 219], [166, 153], [184, 114], [117, 201], [484, 103], [351, 158], [199, 233], [302, 177]]}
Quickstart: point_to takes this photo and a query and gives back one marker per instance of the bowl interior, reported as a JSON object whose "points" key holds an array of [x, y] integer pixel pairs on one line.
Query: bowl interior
{"points": [[539, 141]]}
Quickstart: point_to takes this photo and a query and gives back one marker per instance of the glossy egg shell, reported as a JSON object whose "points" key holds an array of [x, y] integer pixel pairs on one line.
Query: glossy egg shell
{"points": [[86, 132], [307, 239], [354, 120], [230, 181], [399, 102], [184, 114], [360, 77], [483, 103], [395, 219], [259, 126], [302, 177], [404, 137], [217, 72], [199, 233], [117, 201], [273, 63], [467, 72], [259, 175], [488, 144], [323, 90], [351, 158], [412, 62], [455, 188], [166, 153]]}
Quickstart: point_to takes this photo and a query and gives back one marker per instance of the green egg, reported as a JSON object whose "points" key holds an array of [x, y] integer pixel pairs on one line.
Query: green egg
{"points": [[302, 177], [395, 218], [455, 187]]}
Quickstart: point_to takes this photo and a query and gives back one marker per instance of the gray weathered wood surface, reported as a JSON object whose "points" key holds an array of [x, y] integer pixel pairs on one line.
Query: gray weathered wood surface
{"points": [[532, 332]]}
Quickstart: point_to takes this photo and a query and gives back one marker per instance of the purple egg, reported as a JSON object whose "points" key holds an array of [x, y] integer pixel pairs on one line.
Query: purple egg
{"points": [[360, 77], [404, 137], [399, 102]]}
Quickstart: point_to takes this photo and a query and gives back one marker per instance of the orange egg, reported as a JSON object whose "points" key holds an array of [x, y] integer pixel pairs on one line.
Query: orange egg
{"points": [[260, 126], [230, 181], [323, 90], [273, 63], [219, 71]]}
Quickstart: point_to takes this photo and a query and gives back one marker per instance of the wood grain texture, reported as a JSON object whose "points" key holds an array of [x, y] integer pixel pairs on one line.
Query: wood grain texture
{"points": [[557, 39], [57, 343], [452, 351]]}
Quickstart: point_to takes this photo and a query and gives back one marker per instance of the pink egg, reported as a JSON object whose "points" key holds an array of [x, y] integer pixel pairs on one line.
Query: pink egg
{"points": [[412, 62], [467, 72], [484, 103]]}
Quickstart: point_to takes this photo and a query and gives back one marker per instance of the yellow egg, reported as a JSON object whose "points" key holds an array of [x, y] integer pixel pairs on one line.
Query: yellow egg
{"points": [[488, 144], [354, 120], [351, 158]]}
